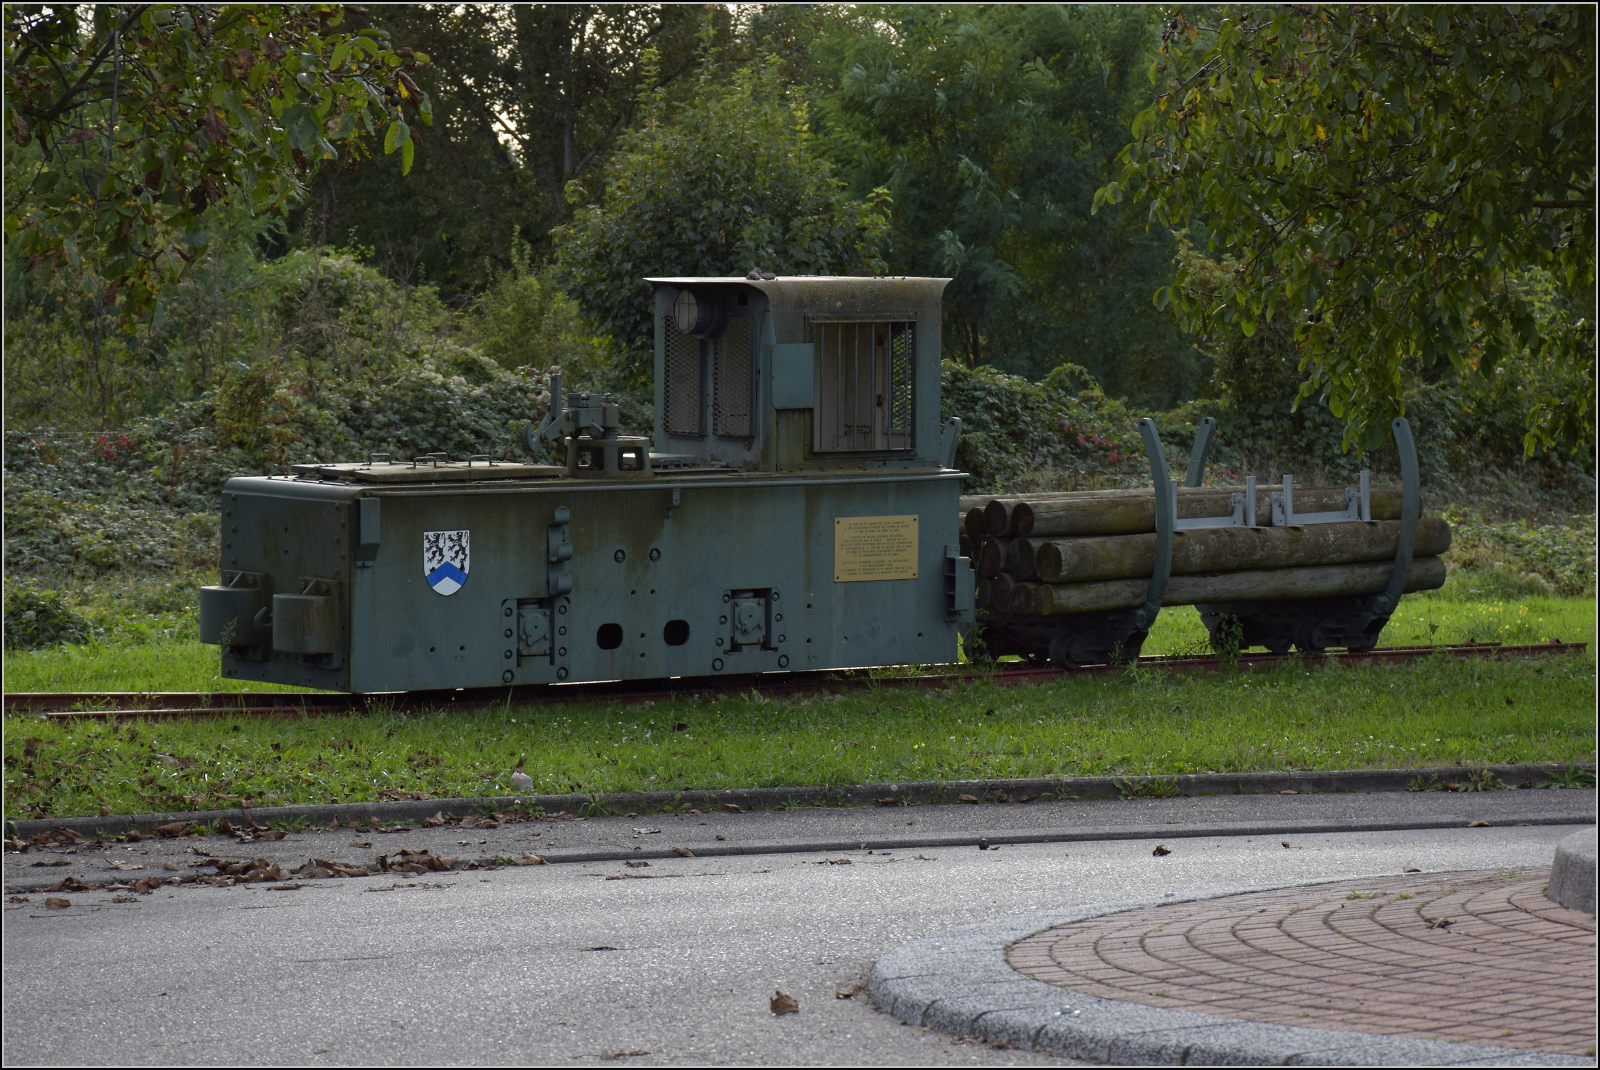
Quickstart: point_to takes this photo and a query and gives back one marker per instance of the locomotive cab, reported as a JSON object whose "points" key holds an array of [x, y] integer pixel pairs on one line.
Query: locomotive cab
{"points": [[799, 374]]}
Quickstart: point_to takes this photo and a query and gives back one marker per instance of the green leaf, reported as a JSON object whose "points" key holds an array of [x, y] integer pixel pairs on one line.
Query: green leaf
{"points": [[406, 151], [398, 134]]}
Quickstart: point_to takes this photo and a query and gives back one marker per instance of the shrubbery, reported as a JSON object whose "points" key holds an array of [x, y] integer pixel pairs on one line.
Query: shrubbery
{"points": [[37, 617]]}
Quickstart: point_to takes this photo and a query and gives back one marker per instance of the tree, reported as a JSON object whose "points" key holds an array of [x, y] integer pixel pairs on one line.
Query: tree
{"points": [[992, 126], [526, 98], [726, 181], [1406, 182], [126, 122]]}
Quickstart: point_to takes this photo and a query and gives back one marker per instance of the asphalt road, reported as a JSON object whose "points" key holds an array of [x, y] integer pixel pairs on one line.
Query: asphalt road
{"points": [[506, 965]]}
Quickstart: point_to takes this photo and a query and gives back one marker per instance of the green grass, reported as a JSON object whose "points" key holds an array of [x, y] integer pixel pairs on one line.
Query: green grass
{"points": [[161, 665], [1436, 712]]}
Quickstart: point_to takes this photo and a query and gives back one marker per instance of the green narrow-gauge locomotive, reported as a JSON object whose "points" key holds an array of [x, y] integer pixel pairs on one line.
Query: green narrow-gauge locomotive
{"points": [[797, 507], [799, 510]]}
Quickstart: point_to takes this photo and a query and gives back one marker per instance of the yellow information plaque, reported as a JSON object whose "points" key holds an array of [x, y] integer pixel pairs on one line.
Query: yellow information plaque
{"points": [[874, 548]]}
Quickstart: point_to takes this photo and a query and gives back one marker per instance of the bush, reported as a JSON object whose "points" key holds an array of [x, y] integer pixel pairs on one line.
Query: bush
{"points": [[1515, 558], [37, 617], [1060, 433]]}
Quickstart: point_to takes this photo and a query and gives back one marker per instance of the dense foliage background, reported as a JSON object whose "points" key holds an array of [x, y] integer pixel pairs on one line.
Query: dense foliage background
{"points": [[359, 279]]}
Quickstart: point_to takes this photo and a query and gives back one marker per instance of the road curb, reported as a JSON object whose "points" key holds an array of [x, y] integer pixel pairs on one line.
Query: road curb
{"points": [[960, 982], [917, 793], [996, 838]]}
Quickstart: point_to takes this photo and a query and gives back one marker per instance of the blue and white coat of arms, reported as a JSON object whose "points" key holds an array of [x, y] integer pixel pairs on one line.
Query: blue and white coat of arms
{"points": [[446, 559]]}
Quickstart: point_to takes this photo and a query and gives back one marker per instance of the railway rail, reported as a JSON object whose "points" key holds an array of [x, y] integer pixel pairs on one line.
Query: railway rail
{"points": [[68, 705]]}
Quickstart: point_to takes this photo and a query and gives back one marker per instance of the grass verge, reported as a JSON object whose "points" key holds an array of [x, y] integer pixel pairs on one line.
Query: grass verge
{"points": [[1440, 711]]}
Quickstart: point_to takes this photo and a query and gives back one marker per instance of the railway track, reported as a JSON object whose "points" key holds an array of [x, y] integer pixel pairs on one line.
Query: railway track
{"points": [[68, 705]]}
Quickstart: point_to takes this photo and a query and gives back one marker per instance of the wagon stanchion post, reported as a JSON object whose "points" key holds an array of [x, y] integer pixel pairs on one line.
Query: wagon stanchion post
{"points": [[1410, 514], [1166, 517], [1197, 456]]}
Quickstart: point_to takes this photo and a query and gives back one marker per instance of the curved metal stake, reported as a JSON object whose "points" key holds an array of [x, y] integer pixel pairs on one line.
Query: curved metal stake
{"points": [[1166, 516], [1410, 509], [1197, 456], [948, 441]]}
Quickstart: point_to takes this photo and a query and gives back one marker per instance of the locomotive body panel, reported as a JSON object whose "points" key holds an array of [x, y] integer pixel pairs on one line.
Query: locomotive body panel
{"points": [[657, 589]]}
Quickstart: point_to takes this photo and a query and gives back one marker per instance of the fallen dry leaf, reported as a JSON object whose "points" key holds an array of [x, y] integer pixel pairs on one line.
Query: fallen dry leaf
{"points": [[847, 993], [270, 834], [1477, 824], [1288, 793], [176, 828], [172, 867], [646, 832], [225, 827], [983, 845], [783, 1003], [1031, 798], [435, 821], [600, 947], [55, 902], [966, 1040], [684, 851], [1002, 1045], [1411, 869], [636, 865], [1286, 843], [968, 798], [733, 807], [125, 899], [360, 843], [117, 865], [1439, 923], [1160, 850], [625, 1053], [890, 802], [533, 859]]}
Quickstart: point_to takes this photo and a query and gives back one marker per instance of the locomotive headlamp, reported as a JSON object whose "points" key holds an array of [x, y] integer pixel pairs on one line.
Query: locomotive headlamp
{"points": [[700, 314]]}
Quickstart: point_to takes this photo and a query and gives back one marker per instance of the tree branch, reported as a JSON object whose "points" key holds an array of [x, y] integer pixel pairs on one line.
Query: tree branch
{"points": [[65, 102]]}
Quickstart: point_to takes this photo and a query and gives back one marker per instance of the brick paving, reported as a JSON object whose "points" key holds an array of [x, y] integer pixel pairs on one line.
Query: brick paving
{"points": [[1477, 957]]}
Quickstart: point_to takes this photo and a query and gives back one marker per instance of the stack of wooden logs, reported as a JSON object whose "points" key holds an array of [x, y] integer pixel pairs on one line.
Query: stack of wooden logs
{"points": [[1087, 551]]}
